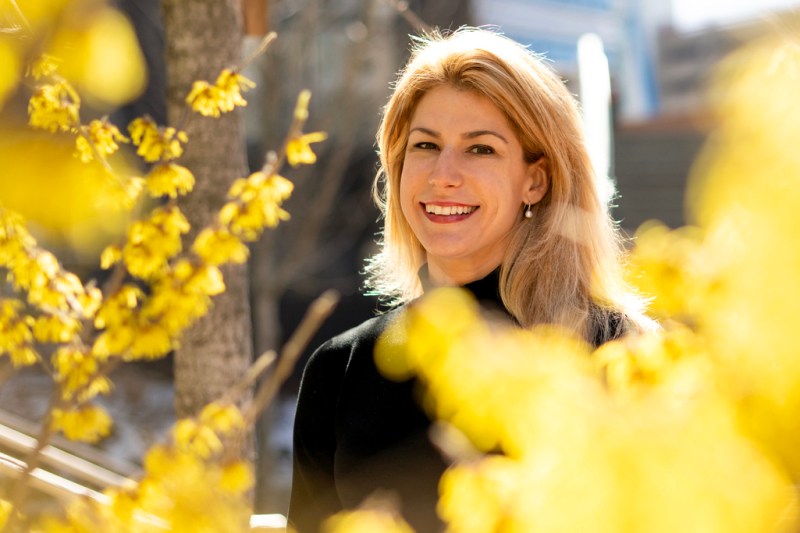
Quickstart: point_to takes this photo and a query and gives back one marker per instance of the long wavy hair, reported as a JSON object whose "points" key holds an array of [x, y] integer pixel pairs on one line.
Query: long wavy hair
{"points": [[563, 265]]}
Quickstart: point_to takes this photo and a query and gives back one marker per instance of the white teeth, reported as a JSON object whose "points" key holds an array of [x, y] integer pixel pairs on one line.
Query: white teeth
{"points": [[449, 209]]}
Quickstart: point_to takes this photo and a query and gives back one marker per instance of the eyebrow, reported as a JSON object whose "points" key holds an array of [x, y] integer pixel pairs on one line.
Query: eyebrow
{"points": [[468, 135]]}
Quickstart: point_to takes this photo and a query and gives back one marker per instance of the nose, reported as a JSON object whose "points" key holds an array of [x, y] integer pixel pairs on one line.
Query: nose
{"points": [[446, 172]]}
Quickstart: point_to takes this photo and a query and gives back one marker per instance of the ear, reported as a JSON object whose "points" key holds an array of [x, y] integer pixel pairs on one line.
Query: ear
{"points": [[537, 182]]}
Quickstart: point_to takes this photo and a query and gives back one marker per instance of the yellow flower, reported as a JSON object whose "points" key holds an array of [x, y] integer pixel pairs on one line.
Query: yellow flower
{"points": [[219, 246], [206, 280], [45, 65], [301, 108], [54, 107], [16, 335], [298, 151], [77, 373], [366, 521], [9, 71], [189, 493], [123, 193], [149, 342], [257, 204], [155, 143], [222, 97], [100, 136], [115, 340], [24, 356], [232, 84], [205, 99], [110, 256], [237, 478], [55, 328], [195, 438], [222, 418], [117, 309], [169, 179], [5, 511], [86, 423], [153, 242]]}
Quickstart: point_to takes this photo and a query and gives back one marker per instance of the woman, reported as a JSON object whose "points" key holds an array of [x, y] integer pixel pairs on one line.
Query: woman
{"points": [[485, 183]]}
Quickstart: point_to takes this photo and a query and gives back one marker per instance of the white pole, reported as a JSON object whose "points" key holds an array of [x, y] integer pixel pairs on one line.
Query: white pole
{"points": [[595, 98]]}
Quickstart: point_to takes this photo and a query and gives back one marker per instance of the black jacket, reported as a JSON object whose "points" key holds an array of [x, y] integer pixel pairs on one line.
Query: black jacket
{"points": [[357, 433]]}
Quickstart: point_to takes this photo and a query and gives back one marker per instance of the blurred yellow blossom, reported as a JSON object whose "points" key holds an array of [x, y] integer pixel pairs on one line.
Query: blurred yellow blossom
{"points": [[110, 256], [237, 478], [55, 328], [44, 66], [196, 438], [256, 204], [85, 423], [156, 143], [568, 433], [186, 493], [150, 341], [219, 246], [9, 70], [221, 97], [298, 149], [78, 373], [5, 511], [16, 334], [672, 268], [223, 418], [54, 107], [99, 52], [154, 241], [99, 136], [123, 194], [93, 193], [366, 521], [169, 179], [301, 108], [205, 98]]}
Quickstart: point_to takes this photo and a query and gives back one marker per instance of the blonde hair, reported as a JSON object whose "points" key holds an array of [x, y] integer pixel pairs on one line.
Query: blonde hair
{"points": [[562, 266]]}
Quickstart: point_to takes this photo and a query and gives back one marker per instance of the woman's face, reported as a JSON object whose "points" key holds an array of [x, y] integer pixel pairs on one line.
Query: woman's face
{"points": [[464, 183]]}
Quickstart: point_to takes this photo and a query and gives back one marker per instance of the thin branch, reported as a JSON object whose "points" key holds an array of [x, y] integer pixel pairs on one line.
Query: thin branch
{"points": [[262, 47], [21, 16], [319, 310], [261, 365], [409, 16]]}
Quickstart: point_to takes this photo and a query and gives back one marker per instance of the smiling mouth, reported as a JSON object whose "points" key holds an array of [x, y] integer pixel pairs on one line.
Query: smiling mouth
{"points": [[449, 210]]}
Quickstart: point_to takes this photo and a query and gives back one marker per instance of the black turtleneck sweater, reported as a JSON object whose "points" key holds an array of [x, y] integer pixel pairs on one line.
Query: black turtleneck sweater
{"points": [[359, 434]]}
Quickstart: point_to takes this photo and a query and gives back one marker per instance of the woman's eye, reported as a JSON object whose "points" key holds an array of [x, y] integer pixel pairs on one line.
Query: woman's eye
{"points": [[481, 149], [425, 145]]}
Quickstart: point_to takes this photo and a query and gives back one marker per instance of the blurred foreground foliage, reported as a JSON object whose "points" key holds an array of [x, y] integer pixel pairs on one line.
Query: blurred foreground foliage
{"points": [[691, 428], [69, 180]]}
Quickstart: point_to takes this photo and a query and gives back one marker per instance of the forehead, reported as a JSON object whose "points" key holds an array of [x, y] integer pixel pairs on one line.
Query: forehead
{"points": [[445, 105]]}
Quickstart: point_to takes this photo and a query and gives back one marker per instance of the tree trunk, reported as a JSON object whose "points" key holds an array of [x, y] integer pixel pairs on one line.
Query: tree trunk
{"points": [[203, 37]]}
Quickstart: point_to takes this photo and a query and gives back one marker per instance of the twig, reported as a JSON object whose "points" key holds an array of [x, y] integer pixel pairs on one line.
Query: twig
{"points": [[412, 18], [21, 16], [262, 47], [255, 371], [319, 310]]}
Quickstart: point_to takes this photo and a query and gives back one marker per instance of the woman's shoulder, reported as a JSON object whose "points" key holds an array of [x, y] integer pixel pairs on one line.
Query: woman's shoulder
{"points": [[359, 339]]}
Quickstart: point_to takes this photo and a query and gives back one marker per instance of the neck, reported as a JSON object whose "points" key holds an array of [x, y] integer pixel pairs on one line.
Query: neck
{"points": [[460, 275]]}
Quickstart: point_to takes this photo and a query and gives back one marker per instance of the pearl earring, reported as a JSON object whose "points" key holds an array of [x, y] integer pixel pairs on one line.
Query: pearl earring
{"points": [[528, 211]]}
